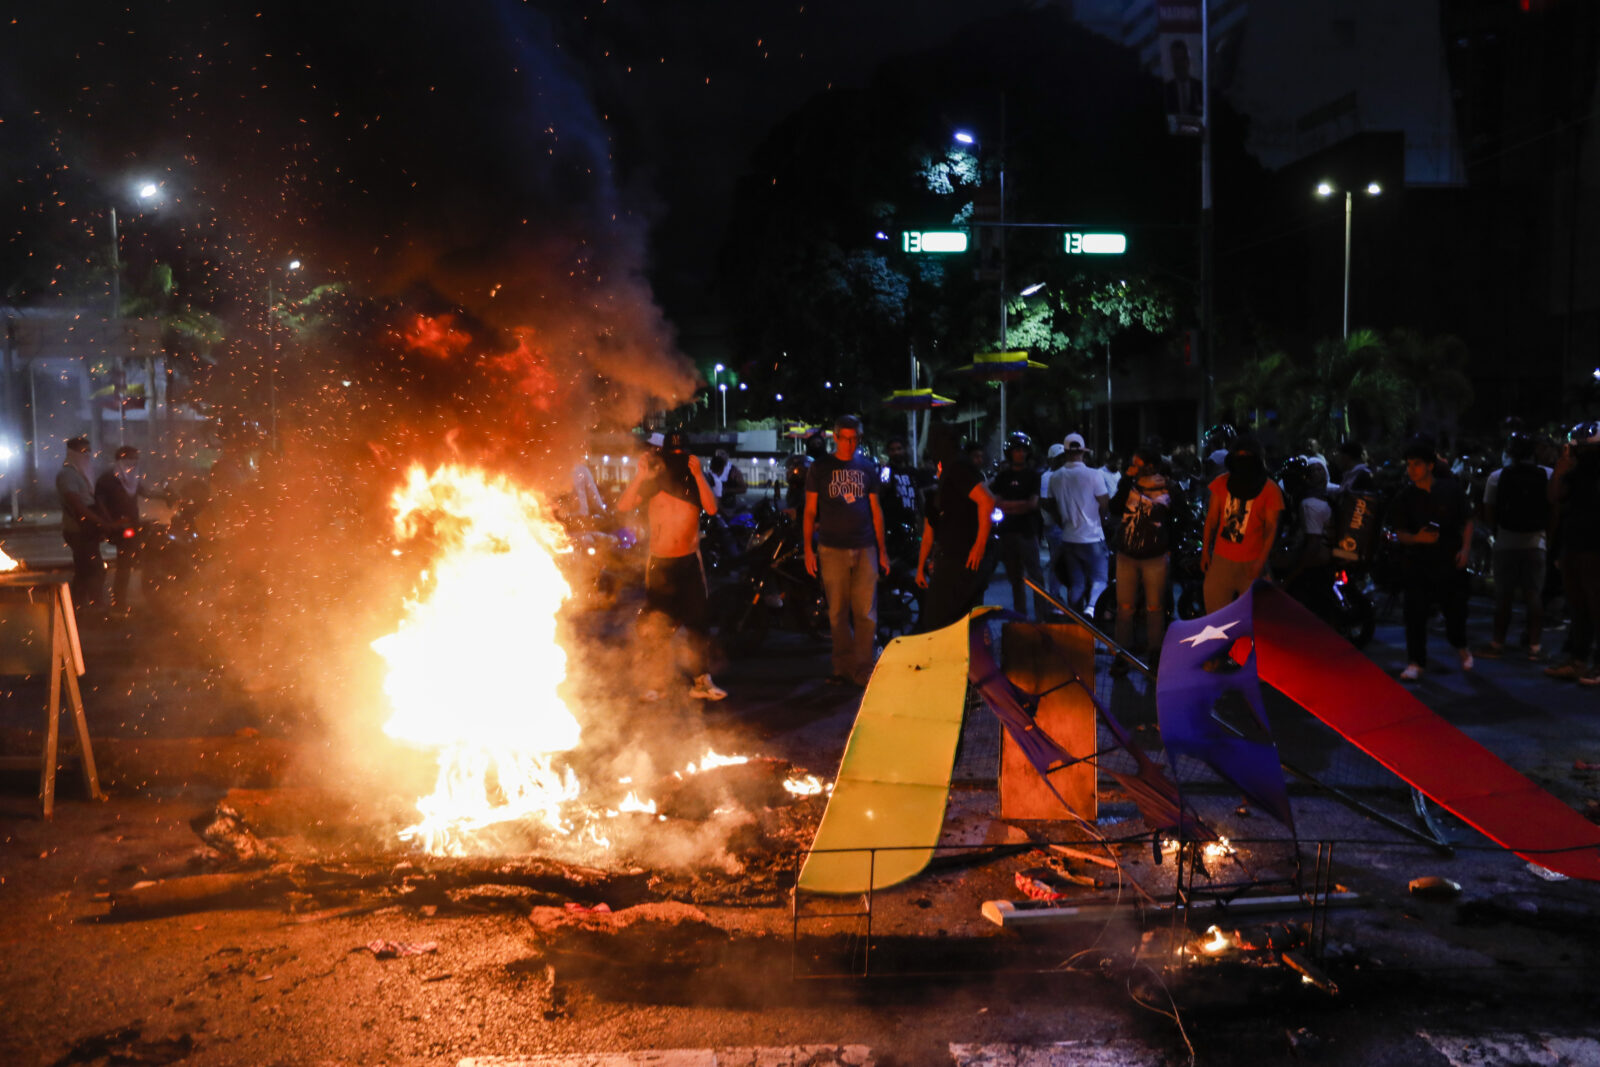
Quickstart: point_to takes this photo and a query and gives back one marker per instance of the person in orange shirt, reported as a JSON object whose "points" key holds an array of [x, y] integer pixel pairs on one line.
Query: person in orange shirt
{"points": [[1241, 525]]}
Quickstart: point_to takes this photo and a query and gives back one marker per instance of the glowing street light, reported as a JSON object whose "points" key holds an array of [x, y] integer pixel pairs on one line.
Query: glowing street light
{"points": [[1326, 189], [965, 138]]}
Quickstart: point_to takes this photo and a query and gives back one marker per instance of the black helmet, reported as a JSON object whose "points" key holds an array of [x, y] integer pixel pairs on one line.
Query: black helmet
{"points": [[1296, 470], [1585, 433], [1222, 435], [816, 444], [1017, 439], [1519, 446], [675, 441]]}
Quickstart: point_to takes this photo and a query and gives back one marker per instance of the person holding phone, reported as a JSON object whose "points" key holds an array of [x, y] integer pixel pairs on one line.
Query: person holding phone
{"points": [[1434, 527]]}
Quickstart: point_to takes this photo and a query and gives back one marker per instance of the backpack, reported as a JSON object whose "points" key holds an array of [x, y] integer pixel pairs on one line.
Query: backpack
{"points": [[1356, 526], [1520, 504]]}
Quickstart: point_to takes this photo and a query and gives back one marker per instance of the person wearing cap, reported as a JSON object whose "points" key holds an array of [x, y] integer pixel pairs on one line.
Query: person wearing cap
{"points": [[1241, 525], [117, 492], [671, 482], [844, 540], [83, 525], [1055, 458], [1081, 499], [1433, 525]]}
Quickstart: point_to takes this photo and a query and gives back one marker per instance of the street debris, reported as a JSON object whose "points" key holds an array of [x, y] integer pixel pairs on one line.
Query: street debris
{"points": [[1434, 886], [388, 950]]}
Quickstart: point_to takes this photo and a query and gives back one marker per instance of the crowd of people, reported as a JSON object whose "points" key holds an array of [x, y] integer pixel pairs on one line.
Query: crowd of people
{"points": [[1224, 515]]}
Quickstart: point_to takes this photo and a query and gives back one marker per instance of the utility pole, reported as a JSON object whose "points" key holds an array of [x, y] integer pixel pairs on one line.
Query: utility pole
{"points": [[1208, 342]]}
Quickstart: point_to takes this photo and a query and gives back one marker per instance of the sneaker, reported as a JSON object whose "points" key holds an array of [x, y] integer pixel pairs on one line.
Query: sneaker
{"points": [[1565, 672], [1590, 677], [1466, 658], [706, 689], [1493, 650], [1412, 672]]}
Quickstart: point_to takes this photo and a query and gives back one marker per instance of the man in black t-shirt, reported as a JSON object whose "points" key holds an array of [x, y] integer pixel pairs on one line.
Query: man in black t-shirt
{"points": [[955, 536], [1434, 527], [843, 515], [1016, 489], [901, 500]]}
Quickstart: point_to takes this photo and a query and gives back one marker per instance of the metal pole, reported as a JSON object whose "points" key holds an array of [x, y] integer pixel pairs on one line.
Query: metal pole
{"points": [[1003, 331], [1207, 283], [911, 416], [1111, 434], [116, 323], [1348, 208]]}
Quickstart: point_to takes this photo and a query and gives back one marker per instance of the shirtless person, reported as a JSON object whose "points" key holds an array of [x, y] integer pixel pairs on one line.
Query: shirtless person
{"points": [[674, 580]]}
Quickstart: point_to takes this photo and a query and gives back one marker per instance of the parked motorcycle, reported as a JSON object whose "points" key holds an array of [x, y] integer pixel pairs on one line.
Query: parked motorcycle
{"points": [[773, 590]]}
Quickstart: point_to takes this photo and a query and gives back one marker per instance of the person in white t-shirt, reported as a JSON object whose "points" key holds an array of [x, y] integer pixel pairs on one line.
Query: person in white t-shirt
{"points": [[1080, 497]]}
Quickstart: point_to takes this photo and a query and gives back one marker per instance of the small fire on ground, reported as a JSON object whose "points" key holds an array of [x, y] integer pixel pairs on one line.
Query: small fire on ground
{"points": [[474, 671], [7, 563]]}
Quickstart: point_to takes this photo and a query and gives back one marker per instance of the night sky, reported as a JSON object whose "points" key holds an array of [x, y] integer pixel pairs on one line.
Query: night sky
{"points": [[402, 141]]}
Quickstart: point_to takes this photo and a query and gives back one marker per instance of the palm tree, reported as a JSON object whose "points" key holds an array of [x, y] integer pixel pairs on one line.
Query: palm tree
{"points": [[1433, 376], [1269, 380], [1348, 373]]}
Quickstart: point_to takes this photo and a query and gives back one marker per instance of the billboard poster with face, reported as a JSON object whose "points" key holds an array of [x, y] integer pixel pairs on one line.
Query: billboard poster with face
{"points": [[1180, 30]]}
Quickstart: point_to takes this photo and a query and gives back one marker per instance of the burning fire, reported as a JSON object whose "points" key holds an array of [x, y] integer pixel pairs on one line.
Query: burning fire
{"points": [[7, 563], [475, 667]]}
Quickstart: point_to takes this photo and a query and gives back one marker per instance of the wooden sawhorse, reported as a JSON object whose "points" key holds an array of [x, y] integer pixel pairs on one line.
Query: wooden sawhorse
{"points": [[38, 632]]}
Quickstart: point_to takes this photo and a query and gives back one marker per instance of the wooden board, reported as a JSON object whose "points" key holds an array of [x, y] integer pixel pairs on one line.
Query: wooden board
{"points": [[1039, 659]]}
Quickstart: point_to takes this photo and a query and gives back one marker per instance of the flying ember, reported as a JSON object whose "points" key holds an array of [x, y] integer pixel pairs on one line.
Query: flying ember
{"points": [[474, 668]]}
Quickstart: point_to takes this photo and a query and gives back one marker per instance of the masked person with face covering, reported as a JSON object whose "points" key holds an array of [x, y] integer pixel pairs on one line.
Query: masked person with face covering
{"points": [[117, 492], [1241, 525]]}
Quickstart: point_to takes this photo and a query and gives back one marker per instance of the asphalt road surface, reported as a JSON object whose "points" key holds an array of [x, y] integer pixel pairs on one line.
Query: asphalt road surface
{"points": [[1503, 973]]}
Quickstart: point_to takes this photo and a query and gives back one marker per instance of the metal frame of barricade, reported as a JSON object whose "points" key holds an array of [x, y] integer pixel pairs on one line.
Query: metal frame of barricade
{"points": [[1187, 897]]}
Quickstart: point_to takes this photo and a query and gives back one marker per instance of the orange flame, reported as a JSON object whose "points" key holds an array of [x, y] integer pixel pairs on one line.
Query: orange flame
{"points": [[7, 563], [436, 336], [474, 669]]}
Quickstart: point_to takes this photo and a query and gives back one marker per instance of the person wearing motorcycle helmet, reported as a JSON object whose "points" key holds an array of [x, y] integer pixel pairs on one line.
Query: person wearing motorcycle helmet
{"points": [[1015, 487], [1241, 525], [1304, 559], [117, 492], [1575, 492], [1516, 505], [674, 488], [1218, 440], [1432, 523]]}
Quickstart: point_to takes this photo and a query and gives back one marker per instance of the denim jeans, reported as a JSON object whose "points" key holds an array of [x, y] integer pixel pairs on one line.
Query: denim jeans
{"points": [[1085, 564], [850, 582], [1020, 555]]}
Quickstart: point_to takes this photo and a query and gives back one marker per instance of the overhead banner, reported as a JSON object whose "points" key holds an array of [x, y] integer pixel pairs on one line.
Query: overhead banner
{"points": [[1179, 24]]}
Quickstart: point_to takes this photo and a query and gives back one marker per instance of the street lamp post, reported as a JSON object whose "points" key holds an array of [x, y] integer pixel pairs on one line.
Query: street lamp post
{"points": [[967, 138], [723, 389], [1326, 189], [146, 191]]}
